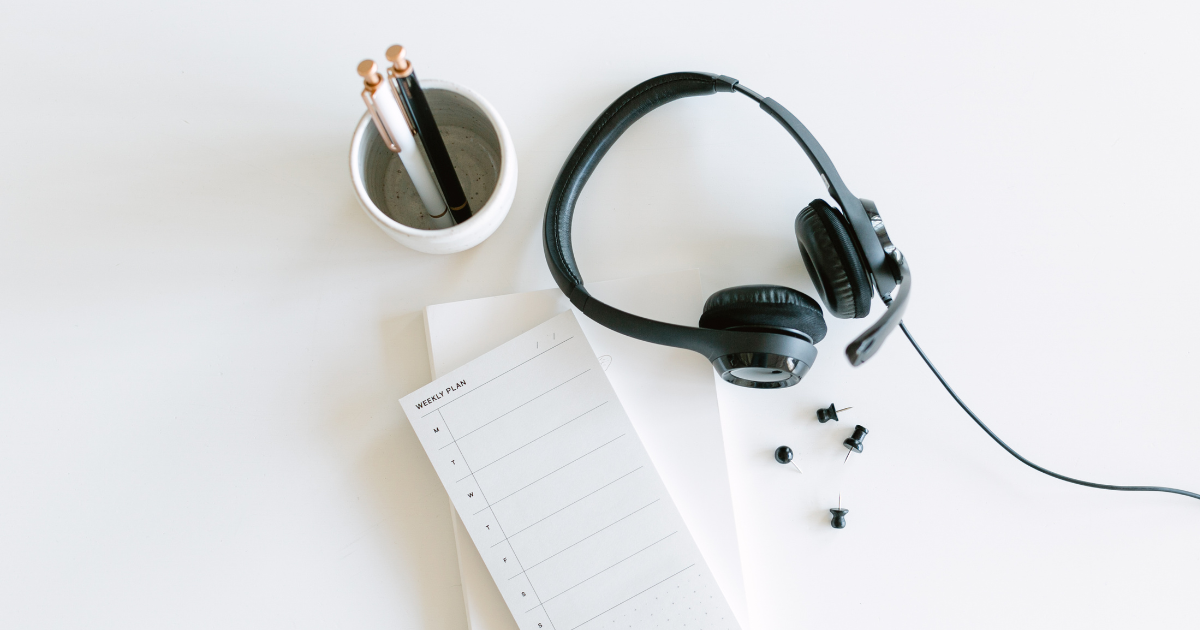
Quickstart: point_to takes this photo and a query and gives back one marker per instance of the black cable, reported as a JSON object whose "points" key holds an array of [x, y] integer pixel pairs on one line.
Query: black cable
{"points": [[1018, 455]]}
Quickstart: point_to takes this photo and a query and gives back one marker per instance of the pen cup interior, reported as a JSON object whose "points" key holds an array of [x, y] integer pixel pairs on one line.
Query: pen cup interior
{"points": [[474, 149]]}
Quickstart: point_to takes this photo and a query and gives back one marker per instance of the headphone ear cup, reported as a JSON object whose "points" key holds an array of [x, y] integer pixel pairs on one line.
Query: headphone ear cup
{"points": [[832, 260], [764, 308]]}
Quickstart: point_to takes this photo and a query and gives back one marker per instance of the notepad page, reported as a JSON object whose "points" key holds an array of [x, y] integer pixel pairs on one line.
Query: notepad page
{"points": [[669, 395], [558, 493]]}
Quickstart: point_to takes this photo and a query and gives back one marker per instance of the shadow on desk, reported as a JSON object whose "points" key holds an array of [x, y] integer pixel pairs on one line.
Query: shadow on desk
{"points": [[400, 492]]}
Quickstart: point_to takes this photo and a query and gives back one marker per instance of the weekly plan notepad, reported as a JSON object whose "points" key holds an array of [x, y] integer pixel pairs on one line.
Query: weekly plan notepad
{"points": [[558, 493], [669, 395]]}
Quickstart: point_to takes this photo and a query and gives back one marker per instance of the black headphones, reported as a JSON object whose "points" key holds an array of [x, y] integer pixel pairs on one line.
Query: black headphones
{"points": [[757, 335], [763, 335]]}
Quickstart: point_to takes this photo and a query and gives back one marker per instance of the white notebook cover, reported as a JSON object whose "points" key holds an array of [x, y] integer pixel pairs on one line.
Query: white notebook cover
{"points": [[669, 395]]}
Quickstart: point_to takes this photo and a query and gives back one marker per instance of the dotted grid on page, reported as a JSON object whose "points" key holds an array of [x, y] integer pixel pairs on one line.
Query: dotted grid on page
{"points": [[558, 493]]}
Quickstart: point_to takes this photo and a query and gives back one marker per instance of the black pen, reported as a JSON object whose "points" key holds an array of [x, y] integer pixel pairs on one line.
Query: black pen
{"points": [[410, 95]]}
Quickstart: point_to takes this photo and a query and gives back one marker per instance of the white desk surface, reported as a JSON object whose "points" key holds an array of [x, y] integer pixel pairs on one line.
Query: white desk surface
{"points": [[205, 338]]}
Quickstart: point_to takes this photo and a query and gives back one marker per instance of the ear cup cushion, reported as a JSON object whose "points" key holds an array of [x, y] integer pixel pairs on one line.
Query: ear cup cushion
{"points": [[764, 306], [832, 260]]}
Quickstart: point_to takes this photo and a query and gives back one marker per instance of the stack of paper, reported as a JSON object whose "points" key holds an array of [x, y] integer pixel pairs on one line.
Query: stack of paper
{"points": [[669, 396]]}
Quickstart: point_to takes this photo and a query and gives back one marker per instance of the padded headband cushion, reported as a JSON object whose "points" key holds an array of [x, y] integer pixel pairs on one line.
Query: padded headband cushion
{"points": [[832, 261], [764, 306], [592, 147]]}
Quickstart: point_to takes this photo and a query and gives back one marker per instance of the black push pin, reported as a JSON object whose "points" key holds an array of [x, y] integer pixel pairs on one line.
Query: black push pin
{"points": [[839, 515], [855, 441], [783, 455], [829, 413]]}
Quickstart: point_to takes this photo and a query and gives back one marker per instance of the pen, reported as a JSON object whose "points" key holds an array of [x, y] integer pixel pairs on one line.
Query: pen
{"points": [[394, 129], [412, 98]]}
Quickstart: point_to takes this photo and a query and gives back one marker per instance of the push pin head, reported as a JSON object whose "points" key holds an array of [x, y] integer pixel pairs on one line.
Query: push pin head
{"points": [[829, 413], [855, 441], [784, 455], [400, 66], [839, 517], [370, 74]]}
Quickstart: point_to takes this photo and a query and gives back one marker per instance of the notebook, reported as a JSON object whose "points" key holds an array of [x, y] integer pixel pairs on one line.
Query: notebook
{"points": [[558, 493], [668, 393]]}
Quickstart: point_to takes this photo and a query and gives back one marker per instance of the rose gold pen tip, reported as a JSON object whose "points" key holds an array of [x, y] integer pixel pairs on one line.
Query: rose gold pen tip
{"points": [[395, 54], [369, 72], [400, 64]]}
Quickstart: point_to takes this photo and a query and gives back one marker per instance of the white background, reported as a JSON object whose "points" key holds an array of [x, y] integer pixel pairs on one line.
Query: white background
{"points": [[204, 338]]}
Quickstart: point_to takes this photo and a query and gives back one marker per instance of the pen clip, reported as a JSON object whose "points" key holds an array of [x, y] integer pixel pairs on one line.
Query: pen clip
{"points": [[369, 99], [400, 101], [371, 81]]}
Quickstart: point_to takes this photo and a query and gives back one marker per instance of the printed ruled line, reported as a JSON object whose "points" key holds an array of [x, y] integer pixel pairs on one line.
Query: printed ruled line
{"points": [[531, 567], [636, 594], [574, 502], [554, 471], [478, 387], [521, 405], [538, 437], [548, 600]]}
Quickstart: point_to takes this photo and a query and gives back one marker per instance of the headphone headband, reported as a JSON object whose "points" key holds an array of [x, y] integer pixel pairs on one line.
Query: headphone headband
{"points": [[593, 146], [884, 267]]}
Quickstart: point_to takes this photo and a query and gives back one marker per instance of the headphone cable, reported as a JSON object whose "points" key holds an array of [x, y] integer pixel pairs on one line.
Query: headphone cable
{"points": [[1010, 450]]}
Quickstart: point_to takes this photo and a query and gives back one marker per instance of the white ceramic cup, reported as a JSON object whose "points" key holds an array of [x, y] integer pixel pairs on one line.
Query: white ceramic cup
{"points": [[483, 155]]}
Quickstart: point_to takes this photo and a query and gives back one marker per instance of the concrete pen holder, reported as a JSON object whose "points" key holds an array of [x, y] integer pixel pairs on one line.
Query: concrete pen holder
{"points": [[484, 158]]}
